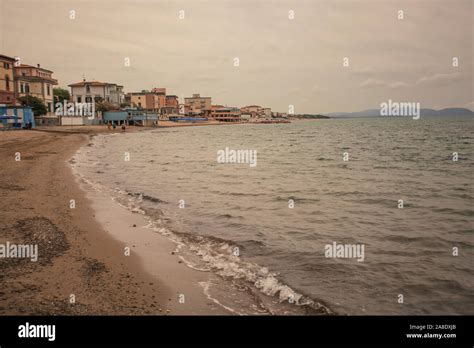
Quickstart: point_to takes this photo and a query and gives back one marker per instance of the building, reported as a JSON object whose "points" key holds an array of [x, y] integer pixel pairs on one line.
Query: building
{"points": [[171, 105], [159, 90], [36, 82], [154, 100], [197, 105], [12, 117], [89, 91], [160, 97], [253, 110], [256, 111], [226, 114], [144, 100], [267, 112], [7, 80], [279, 115]]}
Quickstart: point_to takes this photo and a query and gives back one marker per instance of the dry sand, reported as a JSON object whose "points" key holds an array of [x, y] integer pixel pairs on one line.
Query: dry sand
{"points": [[77, 252]]}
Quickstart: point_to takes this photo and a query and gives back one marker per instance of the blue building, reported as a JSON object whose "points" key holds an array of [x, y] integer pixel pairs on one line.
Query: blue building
{"points": [[115, 117], [16, 117]]}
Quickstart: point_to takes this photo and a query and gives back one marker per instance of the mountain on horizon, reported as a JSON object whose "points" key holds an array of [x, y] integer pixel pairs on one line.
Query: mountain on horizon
{"points": [[423, 112]]}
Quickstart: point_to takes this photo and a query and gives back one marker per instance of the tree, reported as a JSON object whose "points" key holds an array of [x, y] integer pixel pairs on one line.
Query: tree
{"points": [[38, 106], [104, 106], [60, 95]]}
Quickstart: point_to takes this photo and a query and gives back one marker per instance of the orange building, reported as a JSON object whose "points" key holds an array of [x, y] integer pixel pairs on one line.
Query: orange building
{"points": [[7, 84], [171, 105]]}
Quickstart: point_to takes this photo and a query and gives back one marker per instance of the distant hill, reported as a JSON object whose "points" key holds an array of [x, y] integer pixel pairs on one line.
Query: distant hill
{"points": [[309, 116], [423, 112]]}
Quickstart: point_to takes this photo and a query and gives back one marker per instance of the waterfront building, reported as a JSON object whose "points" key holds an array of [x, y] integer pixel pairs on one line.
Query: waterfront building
{"points": [[197, 105], [214, 108], [252, 110], [226, 114], [89, 91], [155, 100], [144, 100], [171, 105], [267, 112], [256, 111], [7, 83], [160, 97], [35, 81]]}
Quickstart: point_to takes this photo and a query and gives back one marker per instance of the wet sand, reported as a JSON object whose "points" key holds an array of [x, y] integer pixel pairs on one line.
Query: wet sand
{"points": [[78, 257]]}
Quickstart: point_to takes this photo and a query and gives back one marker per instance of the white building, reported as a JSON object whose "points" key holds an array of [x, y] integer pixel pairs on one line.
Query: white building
{"points": [[88, 91], [267, 112], [197, 105]]}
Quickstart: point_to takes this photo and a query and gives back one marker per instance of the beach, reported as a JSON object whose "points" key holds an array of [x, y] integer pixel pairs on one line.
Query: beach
{"points": [[81, 269], [172, 231]]}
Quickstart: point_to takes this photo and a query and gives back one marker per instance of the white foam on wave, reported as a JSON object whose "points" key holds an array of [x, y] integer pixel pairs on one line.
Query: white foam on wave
{"points": [[219, 258], [205, 287]]}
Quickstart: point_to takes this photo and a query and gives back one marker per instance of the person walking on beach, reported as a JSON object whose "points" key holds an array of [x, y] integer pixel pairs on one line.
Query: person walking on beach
{"points": [[123, 128], [108, 125]]}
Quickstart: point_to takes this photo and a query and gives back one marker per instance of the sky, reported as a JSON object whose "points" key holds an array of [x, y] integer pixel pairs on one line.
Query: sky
{"points": [[284, 58]]}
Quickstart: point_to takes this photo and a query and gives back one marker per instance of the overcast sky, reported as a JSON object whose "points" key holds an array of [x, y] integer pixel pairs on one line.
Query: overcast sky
{"points": [[282, 61]]}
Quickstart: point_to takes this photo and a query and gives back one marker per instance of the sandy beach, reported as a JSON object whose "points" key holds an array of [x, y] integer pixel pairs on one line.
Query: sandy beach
{"points": [[82, 267]]}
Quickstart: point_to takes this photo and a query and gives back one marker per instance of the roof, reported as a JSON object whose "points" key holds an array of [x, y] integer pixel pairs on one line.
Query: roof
{"points": [[139, 93], [36, 79], [227, 108], [251, 106], [7, 57], [93, 83], [34, 67]]}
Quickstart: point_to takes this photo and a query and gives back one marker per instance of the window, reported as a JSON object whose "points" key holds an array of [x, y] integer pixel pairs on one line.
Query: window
{"points": [[22, 88], [27, 88], [79, 99], [48, 89], [88, 88], [7, 82], [88, 99], [6, 65]]}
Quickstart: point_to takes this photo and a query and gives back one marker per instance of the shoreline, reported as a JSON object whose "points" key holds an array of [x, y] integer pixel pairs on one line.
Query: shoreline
{"points": [[87, 256], [79, 269], [132, 224], [158, 256]]}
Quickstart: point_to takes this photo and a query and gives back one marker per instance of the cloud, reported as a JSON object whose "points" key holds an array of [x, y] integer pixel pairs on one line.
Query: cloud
{"points": [[317, 89], [438, 78], [432, 79], [381, 83]]}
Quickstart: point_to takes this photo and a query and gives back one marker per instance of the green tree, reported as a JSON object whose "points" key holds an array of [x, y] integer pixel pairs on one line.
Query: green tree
{"points": [[104, 106], [60, 94], [38, 106]]}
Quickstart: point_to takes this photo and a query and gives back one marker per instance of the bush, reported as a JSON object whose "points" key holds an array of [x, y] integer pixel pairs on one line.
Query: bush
{"points": [[38, 106]]}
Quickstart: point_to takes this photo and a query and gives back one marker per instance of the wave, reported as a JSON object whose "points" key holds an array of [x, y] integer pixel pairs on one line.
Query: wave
{"points": [[220, 256]]}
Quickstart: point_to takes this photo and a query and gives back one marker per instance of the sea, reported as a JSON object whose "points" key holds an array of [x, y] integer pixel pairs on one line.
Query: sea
{"points": [[282, 216]]}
